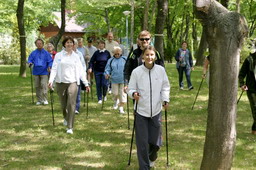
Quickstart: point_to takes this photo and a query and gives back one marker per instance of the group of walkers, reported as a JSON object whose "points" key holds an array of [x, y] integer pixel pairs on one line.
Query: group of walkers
{"points": [[141, 75]]}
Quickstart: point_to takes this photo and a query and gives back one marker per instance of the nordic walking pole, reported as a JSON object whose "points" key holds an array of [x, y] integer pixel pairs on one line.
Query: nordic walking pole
{"points": [[32, 88], [198, 92], [51, 95], [166, 137], [240, 97], [84, 97], [133, 131], [128, 112], [87, 101]]}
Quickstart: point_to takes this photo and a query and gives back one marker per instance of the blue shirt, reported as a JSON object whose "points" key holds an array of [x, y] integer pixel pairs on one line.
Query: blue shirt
{"points": [[41, 59], [115, 68]]}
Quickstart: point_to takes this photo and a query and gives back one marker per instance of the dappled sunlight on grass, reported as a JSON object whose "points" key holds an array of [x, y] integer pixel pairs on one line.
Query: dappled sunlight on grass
{"points": [[28, 139]]}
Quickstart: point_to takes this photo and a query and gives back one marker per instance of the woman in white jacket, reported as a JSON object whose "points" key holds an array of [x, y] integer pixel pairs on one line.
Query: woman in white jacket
{"points": [[67, 70], [149, 86]]}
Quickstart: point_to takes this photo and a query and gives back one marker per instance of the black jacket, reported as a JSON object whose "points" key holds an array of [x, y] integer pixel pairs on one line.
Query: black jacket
{"points": [[247, 70], [133, 61]]}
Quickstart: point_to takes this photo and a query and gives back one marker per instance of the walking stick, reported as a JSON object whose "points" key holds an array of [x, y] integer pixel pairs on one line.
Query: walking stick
{"points": [[197, 93], [166, 138], [87, 93], [32, 90], [84, 97], [133, 131], [51, 94], [240, 97], [128, 111], [91, 91]]}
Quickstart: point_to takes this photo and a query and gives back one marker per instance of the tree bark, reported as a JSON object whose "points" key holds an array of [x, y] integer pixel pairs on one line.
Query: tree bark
{"points": [[152, 14], [55, 40], [160, 22], [202, 47], [225, 33], [132, 23], [20, 20], [107, 19], [145, 18]]}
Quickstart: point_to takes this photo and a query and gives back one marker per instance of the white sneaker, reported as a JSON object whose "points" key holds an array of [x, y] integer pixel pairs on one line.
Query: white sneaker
{"points": [[116, 105], [105, 98], [100, 102], [121, 110], [65, 123], [45, 102], [38, 103], [109, 92], [151, 163], [70, 131], [77, 112]]}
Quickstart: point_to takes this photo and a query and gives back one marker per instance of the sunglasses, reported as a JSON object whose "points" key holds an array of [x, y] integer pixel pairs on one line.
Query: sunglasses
{"points": [[142, 39]]}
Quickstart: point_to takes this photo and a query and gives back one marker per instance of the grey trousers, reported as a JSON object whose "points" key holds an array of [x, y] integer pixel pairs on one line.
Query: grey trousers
{"points": [[41, 86], [67, 93], [148, 139]]}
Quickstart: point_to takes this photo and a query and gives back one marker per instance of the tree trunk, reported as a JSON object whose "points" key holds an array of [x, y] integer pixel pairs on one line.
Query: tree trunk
{"points": [[19, 14], [152, 14], [107, 19], [238, 6], [160, 22], [170, 45], [55, 40], [132, 22], [225, 33], [202, 47], [145, 18]]}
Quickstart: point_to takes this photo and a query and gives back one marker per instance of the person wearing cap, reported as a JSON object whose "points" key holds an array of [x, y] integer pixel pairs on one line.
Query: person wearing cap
{"points": [[248, 71]]}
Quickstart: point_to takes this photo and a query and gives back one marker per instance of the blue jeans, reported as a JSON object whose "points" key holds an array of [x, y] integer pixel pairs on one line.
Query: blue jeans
{"points": [[101, 84], [78, 98], [187, 73]]}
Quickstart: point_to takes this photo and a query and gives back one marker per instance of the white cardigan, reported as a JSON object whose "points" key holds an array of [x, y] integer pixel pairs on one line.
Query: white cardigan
{"points": [[56, 71], [154, 89]]}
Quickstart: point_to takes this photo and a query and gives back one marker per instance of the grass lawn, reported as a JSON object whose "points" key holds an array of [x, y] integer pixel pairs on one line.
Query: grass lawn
{"points": [[28, 140]]}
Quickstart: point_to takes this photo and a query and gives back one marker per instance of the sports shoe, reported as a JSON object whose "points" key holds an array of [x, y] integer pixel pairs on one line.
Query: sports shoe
{"points": [[65, 123], [190, 88], [181, 88], [151, 163], [70, 131], [77, 112], [116, 104], [121, 110], [100, 102], [110, 92], [45, 102], [105, 98], [38, 103]]}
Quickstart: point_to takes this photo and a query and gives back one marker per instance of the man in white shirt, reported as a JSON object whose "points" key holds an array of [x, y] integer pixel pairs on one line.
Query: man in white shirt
{"points": [[110, 43]]}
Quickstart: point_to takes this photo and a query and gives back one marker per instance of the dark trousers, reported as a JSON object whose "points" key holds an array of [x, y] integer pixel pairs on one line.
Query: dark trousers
{"points": [[181, 70], [101, 84], [252, 99], [148, 139]]}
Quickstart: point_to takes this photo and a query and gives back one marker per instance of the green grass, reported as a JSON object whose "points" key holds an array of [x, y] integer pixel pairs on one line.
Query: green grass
{"points": [[28, 140]]}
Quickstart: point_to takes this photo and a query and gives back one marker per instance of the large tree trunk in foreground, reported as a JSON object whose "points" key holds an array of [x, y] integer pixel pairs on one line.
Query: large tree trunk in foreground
{"points": [[202, 48], [225, 32], [22, 34], [160, 22]]}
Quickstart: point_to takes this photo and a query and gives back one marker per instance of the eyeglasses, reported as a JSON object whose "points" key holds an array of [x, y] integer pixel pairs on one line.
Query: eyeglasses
{"points": [[142, 39]]}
